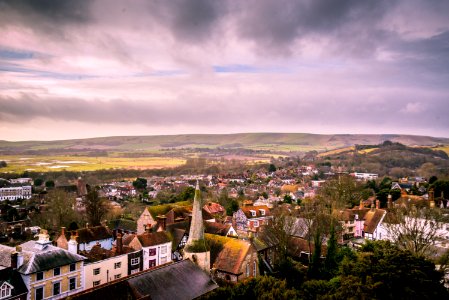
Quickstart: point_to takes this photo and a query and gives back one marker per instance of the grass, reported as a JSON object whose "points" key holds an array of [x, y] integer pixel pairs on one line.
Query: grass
{"points": [[336, 151], [445, 148], [19, 164]]}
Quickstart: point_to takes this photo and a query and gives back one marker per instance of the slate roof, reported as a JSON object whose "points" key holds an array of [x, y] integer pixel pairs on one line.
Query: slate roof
{"points": [[13, 278], [5, 255], [50, 257], [182, 280]]}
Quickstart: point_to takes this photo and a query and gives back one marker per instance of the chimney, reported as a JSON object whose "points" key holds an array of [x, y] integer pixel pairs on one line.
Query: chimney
{"points": [[361, 206], [119, 244], [148, 228], [87, 225], [377, 203], [389, 201], [19, 256], [162, 222], [14, 260], [372, 206], [431, 198], [73, 244]]}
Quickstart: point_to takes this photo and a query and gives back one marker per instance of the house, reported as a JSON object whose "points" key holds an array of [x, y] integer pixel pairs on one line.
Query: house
{"points": [[144, 220], [87, 238], [266, 244], [219, 229], [91, 236], [15, 193], [250, 218], [156, 247], [232, 259], [215, 210], [182, 280], [12, 285], [48, 272]]}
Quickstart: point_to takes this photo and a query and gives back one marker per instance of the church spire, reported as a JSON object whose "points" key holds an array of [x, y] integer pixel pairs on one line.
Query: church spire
{"points": [[196, 227]]}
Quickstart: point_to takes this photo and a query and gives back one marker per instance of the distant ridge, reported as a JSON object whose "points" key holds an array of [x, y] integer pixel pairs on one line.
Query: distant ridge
{"points": [[239, 140]]}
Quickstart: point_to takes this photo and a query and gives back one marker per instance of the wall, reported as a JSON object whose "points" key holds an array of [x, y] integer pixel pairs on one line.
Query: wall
{"points": [[159, 256], [107, 270], [49, 279]]}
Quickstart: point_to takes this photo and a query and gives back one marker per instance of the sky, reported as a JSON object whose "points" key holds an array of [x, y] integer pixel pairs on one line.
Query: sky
{"points": [[78, 68]]}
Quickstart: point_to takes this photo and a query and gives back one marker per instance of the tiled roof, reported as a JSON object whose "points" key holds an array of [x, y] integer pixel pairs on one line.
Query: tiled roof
{"points": [[247, 211], [214, 208], [153, 239], [231, 255], [91, 234], [373, 219], [216, 228]]}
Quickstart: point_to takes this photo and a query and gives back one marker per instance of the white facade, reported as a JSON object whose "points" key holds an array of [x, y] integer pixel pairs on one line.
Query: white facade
{"points": [[104, 271], [156, 255], [14, 193], [365, 176]]}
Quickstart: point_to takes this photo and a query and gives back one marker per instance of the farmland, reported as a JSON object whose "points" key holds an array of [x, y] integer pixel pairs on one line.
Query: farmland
{"points": [[42, 163]]}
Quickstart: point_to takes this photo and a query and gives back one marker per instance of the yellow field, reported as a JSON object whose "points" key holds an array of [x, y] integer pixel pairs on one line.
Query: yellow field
{"points": [[336, 151], [363, 151], [19, 164], [444, 148]]}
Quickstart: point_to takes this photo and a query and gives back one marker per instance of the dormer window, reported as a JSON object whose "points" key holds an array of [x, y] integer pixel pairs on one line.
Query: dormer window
{"points": [[253, 213], [5, 290], [262, 212]]}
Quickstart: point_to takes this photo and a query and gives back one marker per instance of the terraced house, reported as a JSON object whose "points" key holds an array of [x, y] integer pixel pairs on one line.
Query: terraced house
{"points": [[48, 272]]}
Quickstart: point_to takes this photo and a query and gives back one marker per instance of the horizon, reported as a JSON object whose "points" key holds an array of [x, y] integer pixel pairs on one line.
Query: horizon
{"points": [[233, 133], [84, 69]]}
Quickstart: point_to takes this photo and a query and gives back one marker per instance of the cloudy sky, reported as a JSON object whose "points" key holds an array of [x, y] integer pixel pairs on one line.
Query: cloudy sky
{"points": [[75, 68]]}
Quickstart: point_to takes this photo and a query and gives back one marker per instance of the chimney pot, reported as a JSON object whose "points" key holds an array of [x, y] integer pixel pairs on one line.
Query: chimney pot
{"points": [[14, 260]]}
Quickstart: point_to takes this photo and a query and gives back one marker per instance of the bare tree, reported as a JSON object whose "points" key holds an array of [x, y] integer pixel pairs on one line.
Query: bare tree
{"points": [[413, 229], [96, 207], [59, 210]]}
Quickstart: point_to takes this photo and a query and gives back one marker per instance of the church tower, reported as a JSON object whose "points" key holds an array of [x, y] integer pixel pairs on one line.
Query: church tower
{"points": [[196, 248]]}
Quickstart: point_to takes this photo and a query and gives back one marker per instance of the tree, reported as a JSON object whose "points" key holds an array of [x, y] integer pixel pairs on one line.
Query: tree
{"points": [[60, 208], [49, 184], [330, 263], [341, 192], [271, 168], [413, 229], [38, 181], [3, 164], [96, 207], [140, 183], [427, 170]]}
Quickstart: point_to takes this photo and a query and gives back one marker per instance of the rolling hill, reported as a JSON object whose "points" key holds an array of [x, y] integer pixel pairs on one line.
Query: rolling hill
{"points": [[283, 142]]}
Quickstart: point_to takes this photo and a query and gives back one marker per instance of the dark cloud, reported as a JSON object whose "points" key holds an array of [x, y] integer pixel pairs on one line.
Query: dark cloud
{"points": [[54, 11]]}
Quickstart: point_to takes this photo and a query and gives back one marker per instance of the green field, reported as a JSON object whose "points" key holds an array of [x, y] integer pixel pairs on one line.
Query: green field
{"points": [[21, 163]]}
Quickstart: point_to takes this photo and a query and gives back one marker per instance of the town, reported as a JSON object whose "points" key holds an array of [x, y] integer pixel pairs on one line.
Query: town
{"points": [[128, 238]]}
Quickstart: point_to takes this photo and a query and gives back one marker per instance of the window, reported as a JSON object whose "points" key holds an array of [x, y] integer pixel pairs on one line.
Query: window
{"points": [[39, 276], [39, 293], [135, 271], [5, 291], [163, 249], [247, 270], [117, 265], [56, 271], [72, 283], [254, 269], [256, 223], [56, 288], [253, 213], [95, 283], [117, 276], [163, 260], [152, 263], [72, 267], [135, 261], [96, 271], [262, 212], [152, 252]]}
